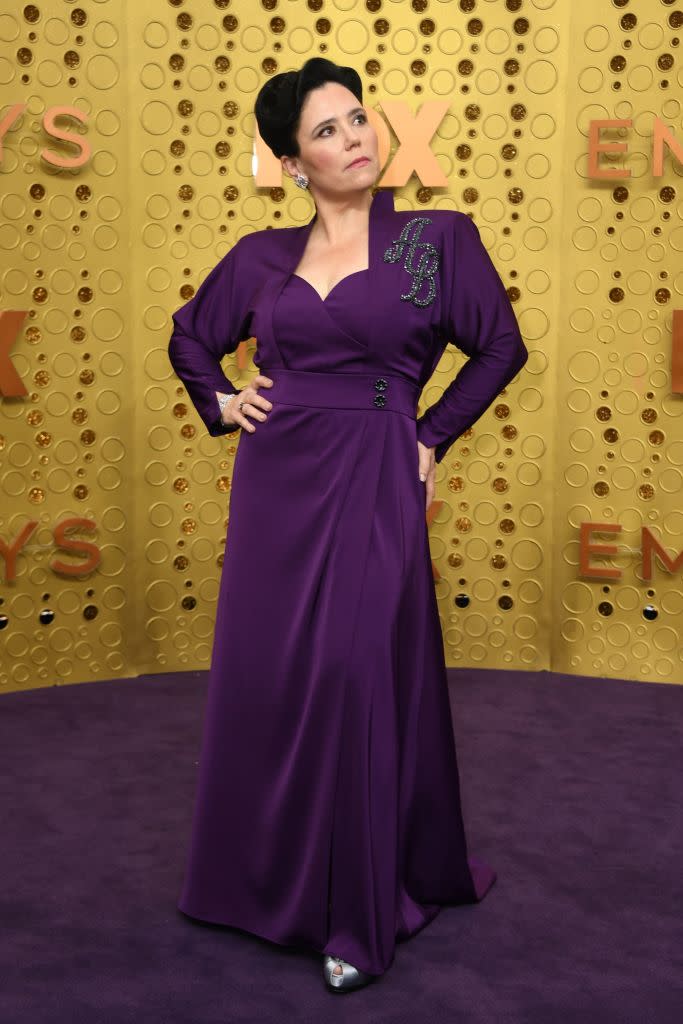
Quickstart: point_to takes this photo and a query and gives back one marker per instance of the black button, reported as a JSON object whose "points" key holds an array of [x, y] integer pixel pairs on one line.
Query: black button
{"points": [[379, 400], [381, 384]]}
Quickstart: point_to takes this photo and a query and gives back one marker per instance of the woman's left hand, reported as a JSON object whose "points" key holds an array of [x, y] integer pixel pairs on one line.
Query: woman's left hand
{"points": [[426, 467]]}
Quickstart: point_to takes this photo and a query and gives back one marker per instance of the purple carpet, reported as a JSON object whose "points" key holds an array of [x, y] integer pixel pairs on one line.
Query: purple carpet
{"points": [[571, 790]]}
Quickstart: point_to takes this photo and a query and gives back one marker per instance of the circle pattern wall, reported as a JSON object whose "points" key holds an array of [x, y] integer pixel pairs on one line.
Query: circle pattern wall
{"points": [[99, 255]]}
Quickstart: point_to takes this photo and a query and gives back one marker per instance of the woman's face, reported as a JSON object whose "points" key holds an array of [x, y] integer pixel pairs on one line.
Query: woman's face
{"points": [[334, 131]]}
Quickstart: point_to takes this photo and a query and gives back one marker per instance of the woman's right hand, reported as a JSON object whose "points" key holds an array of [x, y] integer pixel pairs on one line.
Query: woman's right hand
{"points": [[251, 403]]}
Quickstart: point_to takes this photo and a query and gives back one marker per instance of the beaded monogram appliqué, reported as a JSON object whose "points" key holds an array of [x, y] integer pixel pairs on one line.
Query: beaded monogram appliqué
{"points": [[421, 268]]}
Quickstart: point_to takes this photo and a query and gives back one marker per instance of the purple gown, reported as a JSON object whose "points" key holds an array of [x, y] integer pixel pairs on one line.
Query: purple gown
{"points": [[328, 807]]}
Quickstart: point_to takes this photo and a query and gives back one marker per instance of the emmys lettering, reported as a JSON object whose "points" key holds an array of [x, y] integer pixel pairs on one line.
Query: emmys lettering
{"points": [[9, 550]]}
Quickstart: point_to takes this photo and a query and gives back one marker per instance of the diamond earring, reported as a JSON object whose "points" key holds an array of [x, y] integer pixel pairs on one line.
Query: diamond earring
{"points": [[301, 180]]}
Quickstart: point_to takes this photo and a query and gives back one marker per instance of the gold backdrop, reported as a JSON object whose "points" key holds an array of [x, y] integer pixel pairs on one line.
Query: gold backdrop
{"points": [[106, 233]]}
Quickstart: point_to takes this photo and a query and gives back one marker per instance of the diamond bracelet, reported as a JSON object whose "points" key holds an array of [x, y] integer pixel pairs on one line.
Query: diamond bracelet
{"points": [[224, 399]]}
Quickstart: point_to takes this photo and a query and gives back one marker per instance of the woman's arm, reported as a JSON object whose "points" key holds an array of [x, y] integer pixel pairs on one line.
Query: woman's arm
{"points": [[477, 316], [206, 328]]}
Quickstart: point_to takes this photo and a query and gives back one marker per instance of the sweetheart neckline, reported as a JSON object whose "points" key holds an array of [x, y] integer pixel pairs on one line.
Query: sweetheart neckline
{"points": [[324, 300]]}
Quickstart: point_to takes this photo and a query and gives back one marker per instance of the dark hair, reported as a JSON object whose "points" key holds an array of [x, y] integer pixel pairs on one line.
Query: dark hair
{"points": [[280, 99]]}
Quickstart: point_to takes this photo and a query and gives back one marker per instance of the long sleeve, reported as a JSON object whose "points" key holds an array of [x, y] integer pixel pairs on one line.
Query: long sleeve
{"points": [[478, 318], [206, 328]]}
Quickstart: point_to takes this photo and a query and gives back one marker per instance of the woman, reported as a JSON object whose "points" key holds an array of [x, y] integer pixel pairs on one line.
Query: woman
{"points": [[328, 807]]}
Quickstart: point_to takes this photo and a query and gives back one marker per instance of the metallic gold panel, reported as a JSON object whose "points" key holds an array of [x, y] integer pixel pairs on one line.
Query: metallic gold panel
{"points": [[105, 448], [617, 426]]}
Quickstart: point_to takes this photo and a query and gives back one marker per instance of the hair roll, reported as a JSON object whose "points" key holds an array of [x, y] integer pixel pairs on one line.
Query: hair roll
{"points": [[280, 100]]}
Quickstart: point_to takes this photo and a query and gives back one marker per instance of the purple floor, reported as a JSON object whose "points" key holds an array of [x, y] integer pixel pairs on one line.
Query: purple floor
{"points": [[571, 790]]}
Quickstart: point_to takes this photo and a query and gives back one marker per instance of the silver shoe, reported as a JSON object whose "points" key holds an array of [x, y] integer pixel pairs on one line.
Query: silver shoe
{"points": [[351, 977]]}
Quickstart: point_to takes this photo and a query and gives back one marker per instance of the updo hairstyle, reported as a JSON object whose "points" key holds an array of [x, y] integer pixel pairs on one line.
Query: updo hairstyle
{"points": [[280, 100]]}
